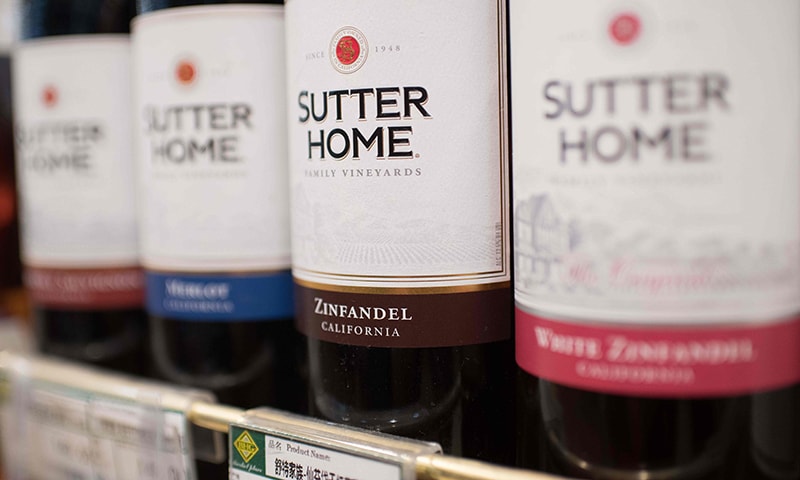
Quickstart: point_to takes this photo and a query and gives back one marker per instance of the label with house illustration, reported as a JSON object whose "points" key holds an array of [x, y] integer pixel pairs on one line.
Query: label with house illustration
{"points": [[657, 195]]}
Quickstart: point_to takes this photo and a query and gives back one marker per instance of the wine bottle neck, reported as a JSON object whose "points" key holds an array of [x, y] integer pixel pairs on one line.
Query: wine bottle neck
{"points": [[41, 18], [144, 6]]}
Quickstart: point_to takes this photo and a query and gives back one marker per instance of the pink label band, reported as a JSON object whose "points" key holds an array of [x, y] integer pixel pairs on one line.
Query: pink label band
{"points": [[659, 361], [81, 289]]}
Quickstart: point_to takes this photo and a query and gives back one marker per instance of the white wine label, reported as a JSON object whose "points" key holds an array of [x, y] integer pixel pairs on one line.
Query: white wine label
{"points": [[211, 138], [75, 171], [255, 455], [398, 166], [211, 134], [657, 193], [397, 163], [75, 167]]}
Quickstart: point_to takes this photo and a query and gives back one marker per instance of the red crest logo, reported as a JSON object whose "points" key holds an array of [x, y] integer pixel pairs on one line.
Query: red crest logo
{"points": [[49, 96], [185, 72], [348, 50], [625, 28]]}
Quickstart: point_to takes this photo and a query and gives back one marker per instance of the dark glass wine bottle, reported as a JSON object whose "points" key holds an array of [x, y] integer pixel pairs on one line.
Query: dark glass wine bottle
{"points": [[657, 228], [10, 272], [399, 177], [77, 208], [211, 140]]}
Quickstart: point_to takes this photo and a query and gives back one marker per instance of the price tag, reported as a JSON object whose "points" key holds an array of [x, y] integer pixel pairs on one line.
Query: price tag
{"points": [[279, 446], [59, 433], [65, 422], [255, 456]]}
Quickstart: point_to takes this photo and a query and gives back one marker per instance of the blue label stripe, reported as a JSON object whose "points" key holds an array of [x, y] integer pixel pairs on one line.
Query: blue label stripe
{"points": [[220, 297]]}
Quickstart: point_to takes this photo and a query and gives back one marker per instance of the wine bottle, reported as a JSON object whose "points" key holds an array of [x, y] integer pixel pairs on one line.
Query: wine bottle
{"points": [[211, 141], [657, 221], [71, 79], [10, 272], [401, 260]]}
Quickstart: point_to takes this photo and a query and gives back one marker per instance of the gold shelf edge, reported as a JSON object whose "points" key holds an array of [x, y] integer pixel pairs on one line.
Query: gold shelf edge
{"points": [[443, 467], [214, 417]]}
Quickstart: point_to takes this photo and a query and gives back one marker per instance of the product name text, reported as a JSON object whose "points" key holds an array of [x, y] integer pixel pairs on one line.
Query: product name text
{"points": [[390, 142], [194, 134], [48, 148], [688, 98], [621, 349]]}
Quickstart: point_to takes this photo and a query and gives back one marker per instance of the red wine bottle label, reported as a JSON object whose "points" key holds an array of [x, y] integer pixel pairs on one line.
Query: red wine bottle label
{"points": [[399, 172], [101, 288], [75, 170], [211, 138], [657, 194], [211, 134]]}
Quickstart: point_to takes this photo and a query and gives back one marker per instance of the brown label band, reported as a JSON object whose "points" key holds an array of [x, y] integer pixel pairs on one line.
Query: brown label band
{"points": [[405, 321], [85, 288]]}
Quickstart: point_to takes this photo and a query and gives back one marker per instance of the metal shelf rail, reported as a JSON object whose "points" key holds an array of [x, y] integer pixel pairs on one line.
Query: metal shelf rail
{"points": [[27, 379]]}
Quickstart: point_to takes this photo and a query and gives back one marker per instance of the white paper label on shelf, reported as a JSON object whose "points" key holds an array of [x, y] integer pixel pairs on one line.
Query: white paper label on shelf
{"points": [[255, 455], [56, 433]]}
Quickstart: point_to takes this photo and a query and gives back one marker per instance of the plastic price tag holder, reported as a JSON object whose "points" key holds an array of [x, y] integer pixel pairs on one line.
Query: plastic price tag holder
{"points": [[275, 445], [13, 336], [13, 416], [70, 421]]}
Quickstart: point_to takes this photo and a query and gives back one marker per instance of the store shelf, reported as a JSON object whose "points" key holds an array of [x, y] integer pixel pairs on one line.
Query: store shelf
{"points": [[141, 404]]}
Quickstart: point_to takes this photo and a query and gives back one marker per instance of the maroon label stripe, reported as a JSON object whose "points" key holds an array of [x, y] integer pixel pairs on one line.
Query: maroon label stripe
{"points": [[404, 321], [86, 288]]}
